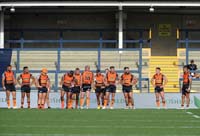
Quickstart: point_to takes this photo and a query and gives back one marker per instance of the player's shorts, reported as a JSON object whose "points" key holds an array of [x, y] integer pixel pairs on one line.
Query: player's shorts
{"points": [[26, 89], [111, 89], [10, 87], [66, 88], [76, 89], [86, 87], [184, 89], [127, 89], [42, 90], [158, 89], [99, 90]]}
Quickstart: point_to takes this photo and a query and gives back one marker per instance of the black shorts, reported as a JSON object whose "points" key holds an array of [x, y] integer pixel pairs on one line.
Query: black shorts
{"points": [[26, 89], [76, 89], [66, 88], [86, 87], [42, 90], [127, 89], [184, 89], [158, 89], [99, 90], [10, 87], [111, 89]]}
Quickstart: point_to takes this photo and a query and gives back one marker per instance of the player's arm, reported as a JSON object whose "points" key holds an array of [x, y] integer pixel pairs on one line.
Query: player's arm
{"points": [[121, 80], [190, 83], [3, 82], [14, 80], [165, 80], [62, 80], [37, 83], [18, 80], [48, 85], [134, 80], [153, 81], [117, 79], [32, 80]]}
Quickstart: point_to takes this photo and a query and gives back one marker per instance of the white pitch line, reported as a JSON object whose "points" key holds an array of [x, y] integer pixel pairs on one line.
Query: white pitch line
{"points": [[193, 115]]}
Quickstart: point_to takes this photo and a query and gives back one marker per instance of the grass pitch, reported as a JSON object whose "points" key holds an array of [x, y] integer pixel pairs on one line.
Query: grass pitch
{"points": [[139, 122]]}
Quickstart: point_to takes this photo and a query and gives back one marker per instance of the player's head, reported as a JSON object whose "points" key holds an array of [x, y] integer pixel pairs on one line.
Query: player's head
{"points": [[185, 69], [77, 71], [25, 69], [71, 73], [158, 69], [112, 68], [87, 68], [44, 71], [126, 70], [98, 72], [106, 70], [9, 68], [192, 61]]}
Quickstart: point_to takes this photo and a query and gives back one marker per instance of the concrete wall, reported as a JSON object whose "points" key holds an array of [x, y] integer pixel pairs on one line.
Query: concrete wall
{"points": [[161, 45]]}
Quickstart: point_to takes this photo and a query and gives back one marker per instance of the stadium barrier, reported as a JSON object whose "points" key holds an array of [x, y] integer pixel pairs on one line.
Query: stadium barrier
{"points": [[141, 100]]}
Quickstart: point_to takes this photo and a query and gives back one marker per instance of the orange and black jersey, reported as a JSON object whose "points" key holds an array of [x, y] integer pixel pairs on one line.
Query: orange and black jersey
{"points": [[77, 79], [111, 77], [26, 77], [186, 78], [99, 80], [127, 79], [159, 78], [67, 80], [43, 80], [87, 77], [9, 77]]}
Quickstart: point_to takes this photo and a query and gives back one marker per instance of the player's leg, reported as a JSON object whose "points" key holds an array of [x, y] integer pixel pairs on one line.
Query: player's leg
{"points": [[162, 94], [14, 99], [102, 97], [82, 99], [28, 95], [68, 101], [98, 99], [106, 98], [88, 98], [47, 100], [126, 98], [44, 95], [130, 100], [113, 91], [8, 98], [62, 94], [22, 99], [77, 99], [157, 99], [182, 101], [187, 100], [39, 100]]}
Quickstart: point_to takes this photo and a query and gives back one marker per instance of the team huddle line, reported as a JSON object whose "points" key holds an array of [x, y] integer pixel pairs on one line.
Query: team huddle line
{"points": [[76, 86]]}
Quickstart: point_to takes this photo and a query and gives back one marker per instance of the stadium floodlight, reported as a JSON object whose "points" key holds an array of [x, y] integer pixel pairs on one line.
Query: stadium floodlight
{"points": [[151, 9], [12, 9]]}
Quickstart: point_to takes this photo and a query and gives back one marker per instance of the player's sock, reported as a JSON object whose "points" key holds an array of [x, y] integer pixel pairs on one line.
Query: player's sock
{"points": [[29, 104], [8, 103], [105, 102], [14, 102], [39, 107], [22, 104], [42, 106], [76, 103], [88, 102], [112, 102], [69, 103], [81, 102], [158, 103], [163, 103]]}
